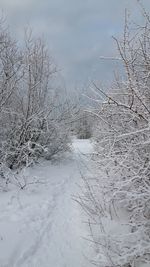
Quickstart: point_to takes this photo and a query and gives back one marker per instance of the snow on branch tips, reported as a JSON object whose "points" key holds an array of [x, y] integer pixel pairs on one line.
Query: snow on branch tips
{"points": [[117, 200], [33, 110]]}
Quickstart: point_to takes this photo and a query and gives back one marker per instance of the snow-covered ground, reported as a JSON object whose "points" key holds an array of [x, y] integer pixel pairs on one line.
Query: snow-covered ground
{"points": [[42, 226]]}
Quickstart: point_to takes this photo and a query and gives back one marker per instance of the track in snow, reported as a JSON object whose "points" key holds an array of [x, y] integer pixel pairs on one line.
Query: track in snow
{"points": [[50, 223]]}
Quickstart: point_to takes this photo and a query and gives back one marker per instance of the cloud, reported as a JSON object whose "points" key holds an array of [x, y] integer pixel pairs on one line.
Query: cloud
{"points": [[13, 6], [77, 32]]}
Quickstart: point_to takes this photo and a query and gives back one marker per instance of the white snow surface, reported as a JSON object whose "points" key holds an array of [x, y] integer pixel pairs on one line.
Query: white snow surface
{"points": [[42, 226]]}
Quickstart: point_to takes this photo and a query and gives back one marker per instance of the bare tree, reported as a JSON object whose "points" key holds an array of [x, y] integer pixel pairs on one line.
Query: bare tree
{"points": [[117, 200], [34, 112]]}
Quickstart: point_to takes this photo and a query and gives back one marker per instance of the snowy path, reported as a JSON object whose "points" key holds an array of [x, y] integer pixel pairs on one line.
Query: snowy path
{"points": [[42, 225]]}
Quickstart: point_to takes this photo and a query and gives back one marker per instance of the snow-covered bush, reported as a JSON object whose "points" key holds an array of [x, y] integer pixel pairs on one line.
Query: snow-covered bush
{"points": [[33, 111], [117, 199]]}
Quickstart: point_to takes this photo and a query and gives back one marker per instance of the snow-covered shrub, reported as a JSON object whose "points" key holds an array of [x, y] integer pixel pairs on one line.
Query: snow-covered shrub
{"points": [[33, 110], [117, 200]]}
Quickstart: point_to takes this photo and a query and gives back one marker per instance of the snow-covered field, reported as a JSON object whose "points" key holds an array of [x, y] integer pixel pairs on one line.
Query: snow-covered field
{"points": [[42, 226]]}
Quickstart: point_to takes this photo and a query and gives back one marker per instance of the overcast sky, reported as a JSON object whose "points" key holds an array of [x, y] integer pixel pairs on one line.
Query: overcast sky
{"points": [[78, 32]]}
